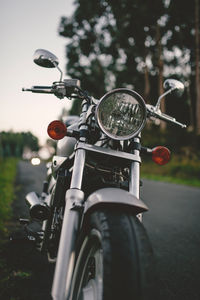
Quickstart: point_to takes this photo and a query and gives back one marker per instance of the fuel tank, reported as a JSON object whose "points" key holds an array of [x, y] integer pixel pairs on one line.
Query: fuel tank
{"points": [[65, 147]]}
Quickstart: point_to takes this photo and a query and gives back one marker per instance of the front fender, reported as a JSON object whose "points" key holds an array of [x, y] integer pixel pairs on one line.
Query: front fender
{"points": [[115, 197]]}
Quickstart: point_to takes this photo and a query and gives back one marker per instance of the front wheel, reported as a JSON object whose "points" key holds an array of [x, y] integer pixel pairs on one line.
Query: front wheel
{"points": [[115, 259]]}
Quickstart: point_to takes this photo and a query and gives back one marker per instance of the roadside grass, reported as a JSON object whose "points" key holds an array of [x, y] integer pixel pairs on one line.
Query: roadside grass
{"points": [[20, 262], [179, 170], [8, 169]]}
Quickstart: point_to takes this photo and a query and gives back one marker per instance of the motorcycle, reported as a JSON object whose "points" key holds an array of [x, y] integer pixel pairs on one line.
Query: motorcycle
{"points": [[90, 208]]}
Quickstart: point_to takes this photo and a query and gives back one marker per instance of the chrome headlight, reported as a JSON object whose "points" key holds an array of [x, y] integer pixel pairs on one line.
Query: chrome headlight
{"points": [[121, 114]]}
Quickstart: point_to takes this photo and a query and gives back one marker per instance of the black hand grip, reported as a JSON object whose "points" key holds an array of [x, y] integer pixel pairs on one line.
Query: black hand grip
{"points": [[41, 87]]}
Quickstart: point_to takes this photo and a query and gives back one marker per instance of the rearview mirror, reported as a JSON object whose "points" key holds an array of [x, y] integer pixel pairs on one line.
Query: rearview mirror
{"points": [[170, 85], [175, 85], [45, 59]]}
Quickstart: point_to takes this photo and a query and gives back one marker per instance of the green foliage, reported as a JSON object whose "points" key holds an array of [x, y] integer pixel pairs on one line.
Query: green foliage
{"points": [[179, 170], [184, 166], [179, 141], [12, 144], [8, 169]]}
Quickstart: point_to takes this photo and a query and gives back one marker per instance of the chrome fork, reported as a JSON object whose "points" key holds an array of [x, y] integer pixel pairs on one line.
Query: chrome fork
{"points": [[134, 178], [74, 199]]}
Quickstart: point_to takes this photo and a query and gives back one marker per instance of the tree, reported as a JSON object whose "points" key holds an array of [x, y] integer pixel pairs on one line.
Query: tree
{"points": [[184, 27], [12, 144], [197, 63], [111, 44], [117, 43]]}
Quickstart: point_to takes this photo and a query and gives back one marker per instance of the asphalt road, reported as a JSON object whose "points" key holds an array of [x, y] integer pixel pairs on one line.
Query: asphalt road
{"points": [[29, 178], [172, 223]]}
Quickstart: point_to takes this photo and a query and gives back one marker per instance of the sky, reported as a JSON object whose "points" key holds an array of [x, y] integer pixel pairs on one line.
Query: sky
{"points": [[26, 25]]}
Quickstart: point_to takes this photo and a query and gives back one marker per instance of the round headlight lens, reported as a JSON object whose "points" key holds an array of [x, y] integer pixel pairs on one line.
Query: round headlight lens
{"points": [[121, 114]]}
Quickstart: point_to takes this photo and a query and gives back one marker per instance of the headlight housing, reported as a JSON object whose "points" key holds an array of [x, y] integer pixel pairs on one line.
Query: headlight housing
{"points": [[121, 114]]}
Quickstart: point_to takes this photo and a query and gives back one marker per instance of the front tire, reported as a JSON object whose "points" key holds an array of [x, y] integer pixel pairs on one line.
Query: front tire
{"points": [[115, 259]]}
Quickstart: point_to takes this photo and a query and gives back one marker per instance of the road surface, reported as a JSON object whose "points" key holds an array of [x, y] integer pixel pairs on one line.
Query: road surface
{"points": [[172, 223]]}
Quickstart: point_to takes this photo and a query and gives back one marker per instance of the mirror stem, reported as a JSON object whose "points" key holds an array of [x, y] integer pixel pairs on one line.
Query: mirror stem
{"points": [[57, 67], [61, 73], [157, 107]]}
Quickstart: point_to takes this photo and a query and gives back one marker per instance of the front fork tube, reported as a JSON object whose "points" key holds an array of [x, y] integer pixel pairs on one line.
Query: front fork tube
{"points": [[134, 181], [70, 227], [134, 178]]}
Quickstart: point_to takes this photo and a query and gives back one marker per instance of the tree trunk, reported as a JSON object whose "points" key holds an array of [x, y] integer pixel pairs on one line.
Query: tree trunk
{"points": [[191, 112], [160, 72], [146, 84], [197, 64], [147, 90]]}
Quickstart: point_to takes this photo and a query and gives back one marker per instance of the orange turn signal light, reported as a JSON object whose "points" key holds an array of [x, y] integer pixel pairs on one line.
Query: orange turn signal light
{"points": [[161, 155], [57, 130]]}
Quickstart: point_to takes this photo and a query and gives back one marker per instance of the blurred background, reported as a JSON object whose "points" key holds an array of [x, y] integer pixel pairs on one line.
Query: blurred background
{"points": [[25, 27], [106, 44]]}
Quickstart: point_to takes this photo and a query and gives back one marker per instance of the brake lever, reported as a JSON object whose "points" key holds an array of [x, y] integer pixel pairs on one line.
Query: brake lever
{"points": [[58, 89], [65, 88], [61, 89]]}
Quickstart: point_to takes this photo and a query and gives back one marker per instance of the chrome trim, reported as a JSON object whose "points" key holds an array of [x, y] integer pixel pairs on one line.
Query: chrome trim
{"points": [[110, 152], [140, 101], [57, 162], [134, 179], [38, 209], [78, 169], [134, 176]]}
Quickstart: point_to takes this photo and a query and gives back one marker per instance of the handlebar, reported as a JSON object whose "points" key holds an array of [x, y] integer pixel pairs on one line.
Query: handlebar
{"points": [[66, 88], [39, 89], [156, 113], [60, 89]]}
